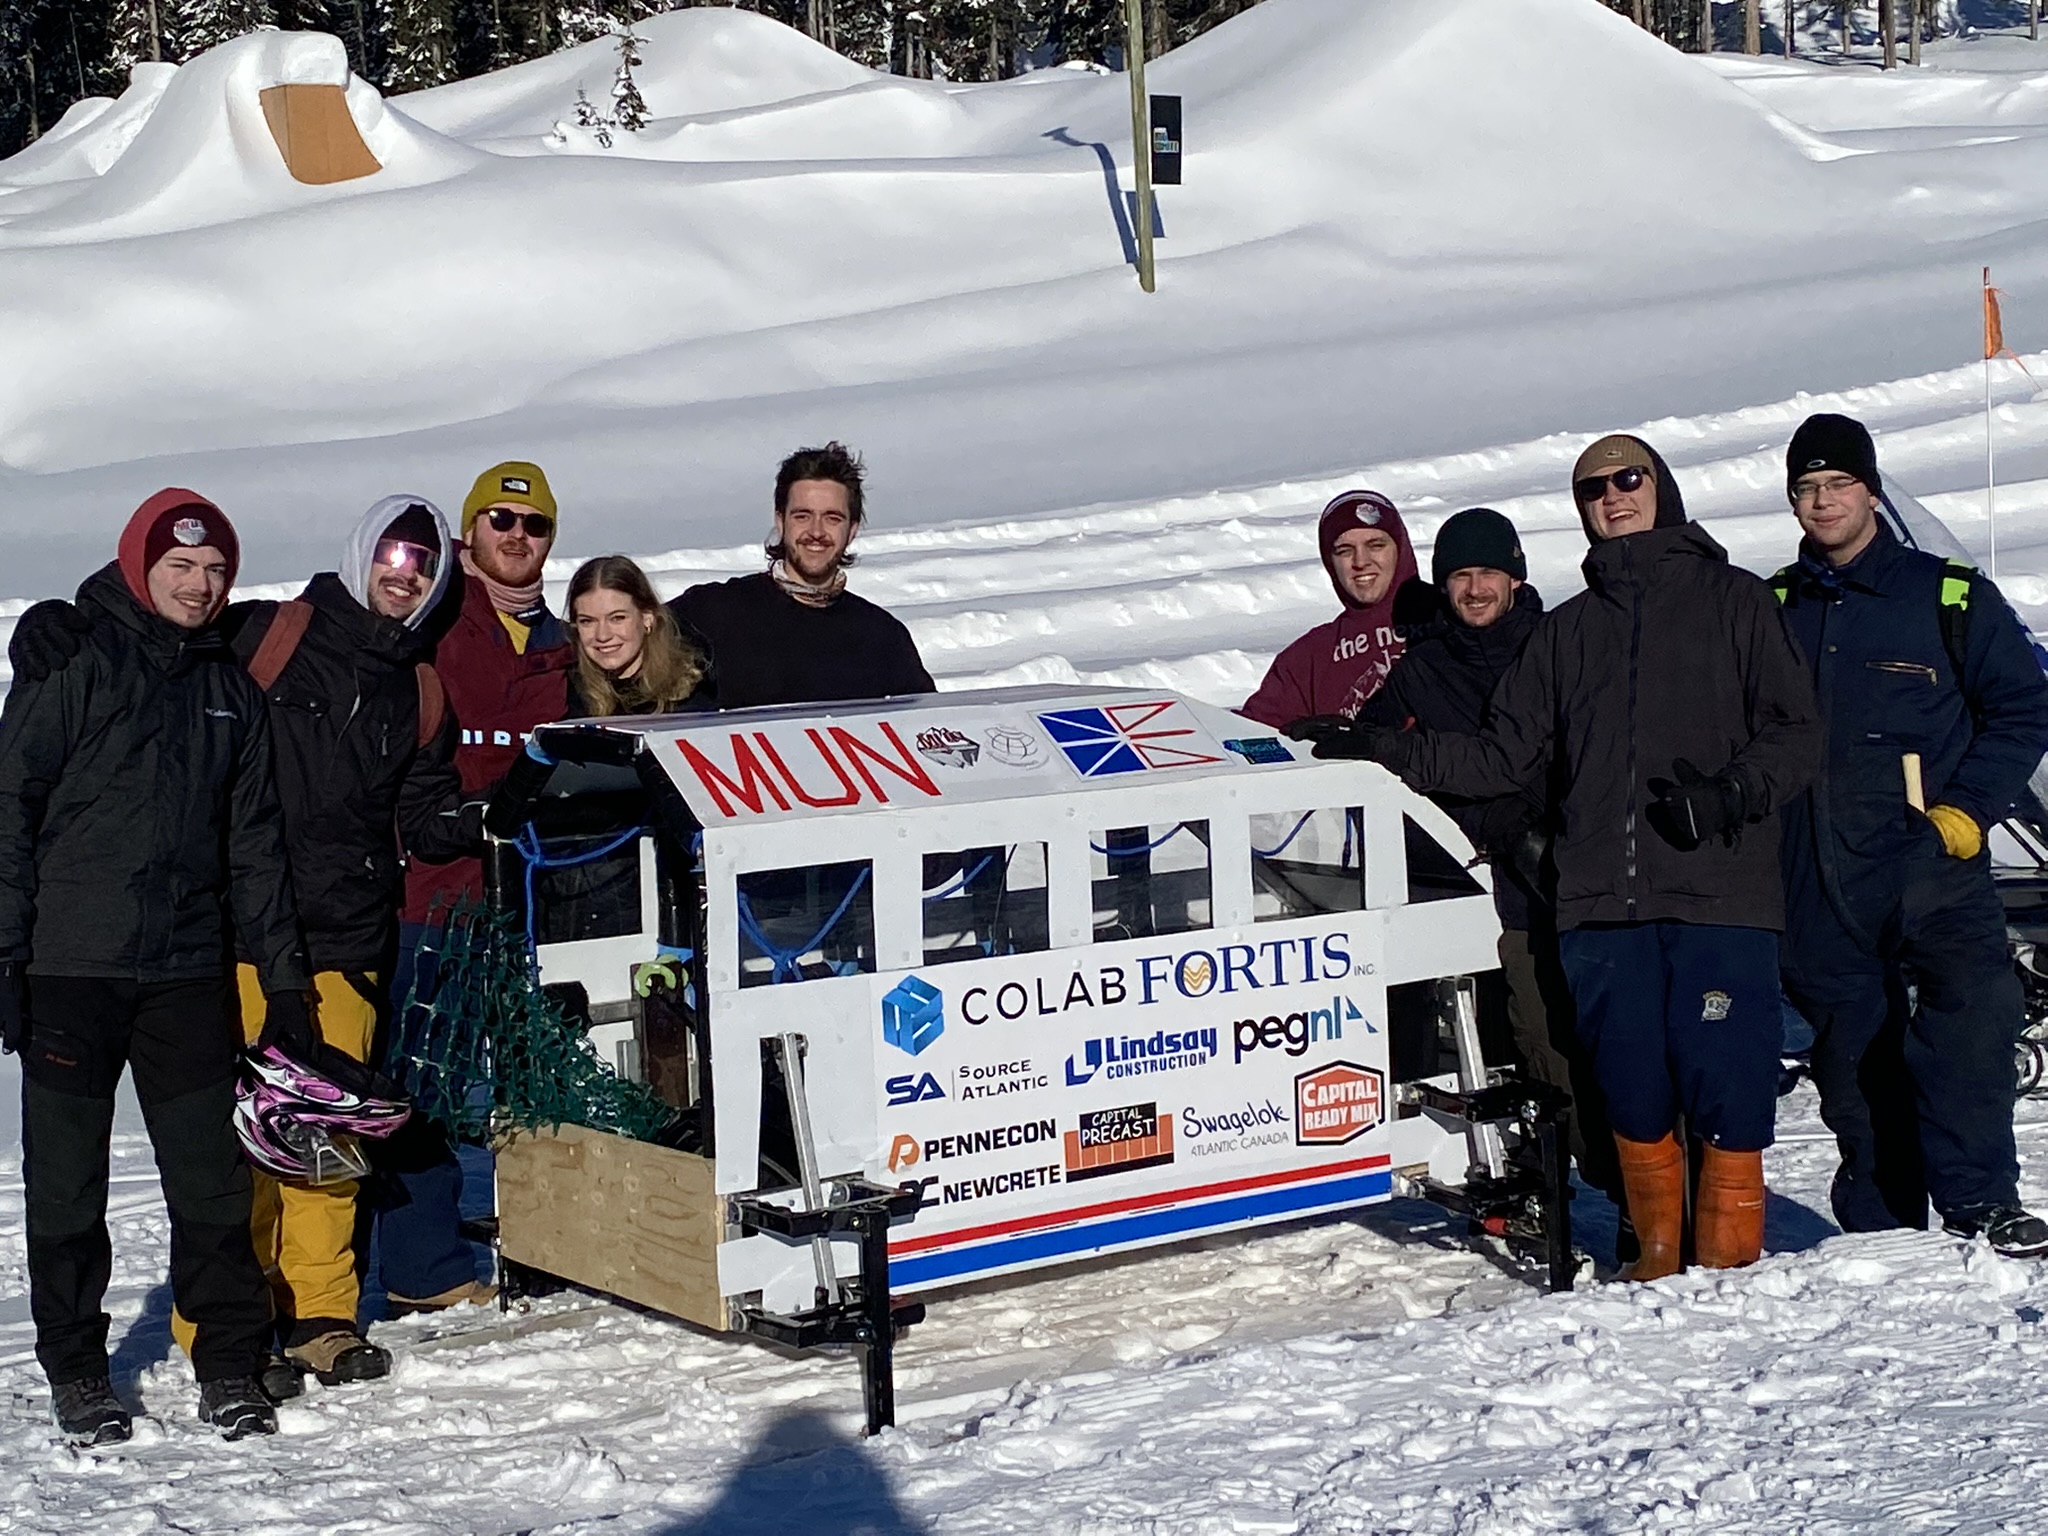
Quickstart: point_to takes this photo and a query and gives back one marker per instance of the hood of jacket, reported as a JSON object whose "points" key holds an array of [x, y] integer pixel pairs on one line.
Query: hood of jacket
{"points": [[359, 554], [1670, 503], [1616, 567], [132, 558]]}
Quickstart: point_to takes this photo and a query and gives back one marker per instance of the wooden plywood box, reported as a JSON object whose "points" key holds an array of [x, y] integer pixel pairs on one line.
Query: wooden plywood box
{"points": [[637, 1221], [315, 133]]}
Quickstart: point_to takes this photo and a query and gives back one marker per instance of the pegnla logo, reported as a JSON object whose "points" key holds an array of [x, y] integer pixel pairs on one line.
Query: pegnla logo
{"points": [[1296, 1032], [1164, 1050], [913, 1015], [1337, 1103]]}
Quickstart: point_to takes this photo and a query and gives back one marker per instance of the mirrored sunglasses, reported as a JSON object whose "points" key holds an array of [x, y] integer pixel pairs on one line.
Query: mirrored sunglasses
{"points": [[1629, 477]]}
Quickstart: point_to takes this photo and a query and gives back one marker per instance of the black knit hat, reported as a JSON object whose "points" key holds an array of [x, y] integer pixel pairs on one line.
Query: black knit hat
{"points": [[1478, 536], [1839, 443]]}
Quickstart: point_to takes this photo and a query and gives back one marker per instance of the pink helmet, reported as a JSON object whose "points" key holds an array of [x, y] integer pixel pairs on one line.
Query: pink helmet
{"points": [[302, 1121]]}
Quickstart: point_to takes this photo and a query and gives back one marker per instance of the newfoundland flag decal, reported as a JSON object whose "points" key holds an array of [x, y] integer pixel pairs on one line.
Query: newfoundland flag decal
{"points": [[1128, 738]]}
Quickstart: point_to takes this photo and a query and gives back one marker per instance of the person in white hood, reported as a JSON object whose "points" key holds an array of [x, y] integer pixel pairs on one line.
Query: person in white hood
{"points": [[364, 744]]}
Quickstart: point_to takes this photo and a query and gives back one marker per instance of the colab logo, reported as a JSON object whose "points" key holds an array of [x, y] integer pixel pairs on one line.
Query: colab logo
{"points": [[1337, 1103], [1164, 1050], [913, 1015], [1295, 1032], [917, 1088]]}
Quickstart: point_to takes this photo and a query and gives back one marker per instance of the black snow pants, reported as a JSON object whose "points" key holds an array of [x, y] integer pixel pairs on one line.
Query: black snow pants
{"points": [[180, 1038], [1917, 1088]]}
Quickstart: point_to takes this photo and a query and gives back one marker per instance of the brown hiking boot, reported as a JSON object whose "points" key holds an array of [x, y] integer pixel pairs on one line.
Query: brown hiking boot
{"points": [[339, 1356], [1728, 1212], [475, 1292], [1654, 1172]]}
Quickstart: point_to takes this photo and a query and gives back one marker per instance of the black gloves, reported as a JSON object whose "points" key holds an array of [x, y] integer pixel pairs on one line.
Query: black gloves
{"points": [[512, 801], [288, 1021], [1697, 809], [13, 1005], [1526, 851], [1336, 737], [46, 638]]}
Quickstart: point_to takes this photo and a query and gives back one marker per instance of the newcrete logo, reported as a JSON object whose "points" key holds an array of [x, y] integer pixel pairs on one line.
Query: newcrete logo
{"points": [[913, 1015]]}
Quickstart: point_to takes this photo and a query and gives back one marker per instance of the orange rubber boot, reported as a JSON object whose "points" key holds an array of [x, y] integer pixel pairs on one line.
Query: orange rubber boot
{"points": [[1654, 1174], [1728, 1215]]}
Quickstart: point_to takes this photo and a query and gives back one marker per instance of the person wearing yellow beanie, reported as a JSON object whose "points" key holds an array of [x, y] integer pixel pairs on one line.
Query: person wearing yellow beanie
{"points": [[514, 483]]}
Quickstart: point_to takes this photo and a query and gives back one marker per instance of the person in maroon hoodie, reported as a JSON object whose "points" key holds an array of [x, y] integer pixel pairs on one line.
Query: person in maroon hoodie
{"points": [[1336, 667], [505, 663]]}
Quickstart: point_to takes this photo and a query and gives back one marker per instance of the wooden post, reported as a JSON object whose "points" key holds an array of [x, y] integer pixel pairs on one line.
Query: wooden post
{"points": [[1845, 27], [1886, 14], [1787, 39], [1913, 44], [1141, 136], [1706, 26], [1752, 26], [2034, 20], [156, 35]]}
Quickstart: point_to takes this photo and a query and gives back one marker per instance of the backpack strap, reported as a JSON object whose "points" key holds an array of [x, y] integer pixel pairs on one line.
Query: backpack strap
{"points": [[1956, 576], [287, 629], [433, 703]]}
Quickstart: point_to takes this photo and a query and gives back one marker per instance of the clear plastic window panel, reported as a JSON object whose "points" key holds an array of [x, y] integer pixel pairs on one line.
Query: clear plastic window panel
{"points": [[980, 902], [1150, 880], [1307, 862], [599, 899], [806, 924]]}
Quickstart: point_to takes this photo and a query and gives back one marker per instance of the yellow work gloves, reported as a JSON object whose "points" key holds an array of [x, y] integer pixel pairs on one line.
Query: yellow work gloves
{"points": [[1961, 836]]}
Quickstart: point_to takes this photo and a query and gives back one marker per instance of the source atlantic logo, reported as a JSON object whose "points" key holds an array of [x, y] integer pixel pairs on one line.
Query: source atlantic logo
{"points": [[913, 1015]]}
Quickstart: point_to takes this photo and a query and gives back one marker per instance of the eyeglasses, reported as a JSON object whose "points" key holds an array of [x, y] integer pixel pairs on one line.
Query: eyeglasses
{"points": [[538, 525], [1628, 478], [1807, 492], [399, 555]]}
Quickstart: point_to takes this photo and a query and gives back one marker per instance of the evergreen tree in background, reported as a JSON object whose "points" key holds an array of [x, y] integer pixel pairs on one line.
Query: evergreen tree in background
{"points": [[197, 25], [420, 42], [629, 107], [135, 35]]}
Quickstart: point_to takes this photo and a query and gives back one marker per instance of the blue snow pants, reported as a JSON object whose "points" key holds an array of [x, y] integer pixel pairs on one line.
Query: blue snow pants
{"points": [[1680, 1019], [1914, 1027], [417, 1189]]}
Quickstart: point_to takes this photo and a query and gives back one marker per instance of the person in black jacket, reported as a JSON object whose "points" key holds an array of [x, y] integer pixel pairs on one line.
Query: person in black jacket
{"points": [[365, 760], [1674, 716], [137, 811], [1443, 683], [793, 634], [1937, 713]]}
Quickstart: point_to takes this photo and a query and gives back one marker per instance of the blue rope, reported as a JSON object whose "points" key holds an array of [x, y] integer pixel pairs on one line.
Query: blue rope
{"points": [[1274, 853], [956, 887], [536, 859], [1131, 853], [789, 962]]}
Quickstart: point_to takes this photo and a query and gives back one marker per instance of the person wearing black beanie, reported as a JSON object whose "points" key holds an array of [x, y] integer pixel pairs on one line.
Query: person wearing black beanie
{"points": [[1936, 713]]}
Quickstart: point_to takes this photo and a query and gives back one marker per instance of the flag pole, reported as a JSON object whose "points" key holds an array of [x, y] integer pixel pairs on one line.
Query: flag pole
{"points": [[1991, 346]]}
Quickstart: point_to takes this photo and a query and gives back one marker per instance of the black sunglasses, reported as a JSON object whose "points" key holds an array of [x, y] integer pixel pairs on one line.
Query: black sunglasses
{"points": [[1593, 487], [538, 525]]}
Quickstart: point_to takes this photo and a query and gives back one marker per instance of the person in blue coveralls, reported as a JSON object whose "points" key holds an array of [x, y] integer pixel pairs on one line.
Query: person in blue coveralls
{"points": [[1895, 949]]}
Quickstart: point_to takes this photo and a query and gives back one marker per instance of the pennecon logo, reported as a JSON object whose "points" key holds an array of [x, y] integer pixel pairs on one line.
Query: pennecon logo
{"points": [[913, 1015]]}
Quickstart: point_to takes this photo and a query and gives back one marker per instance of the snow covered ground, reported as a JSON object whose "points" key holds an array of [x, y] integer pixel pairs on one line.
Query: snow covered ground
{"points": [[1426, 245]]}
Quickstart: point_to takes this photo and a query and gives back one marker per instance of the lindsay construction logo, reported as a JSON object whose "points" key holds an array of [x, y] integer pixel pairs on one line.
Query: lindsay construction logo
{"points": [[1164, 1050], [1337, 1103]]}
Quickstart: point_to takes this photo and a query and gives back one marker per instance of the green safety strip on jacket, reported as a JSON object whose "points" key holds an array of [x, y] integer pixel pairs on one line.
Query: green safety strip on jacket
{"points": [[1955, 583]]}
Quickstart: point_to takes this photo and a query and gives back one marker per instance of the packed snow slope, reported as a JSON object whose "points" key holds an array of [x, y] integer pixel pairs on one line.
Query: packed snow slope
{"points": [[1411, 229]]}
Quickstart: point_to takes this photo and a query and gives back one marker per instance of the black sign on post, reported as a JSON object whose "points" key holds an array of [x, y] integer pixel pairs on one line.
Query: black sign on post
{"points": [[1165, 141]]}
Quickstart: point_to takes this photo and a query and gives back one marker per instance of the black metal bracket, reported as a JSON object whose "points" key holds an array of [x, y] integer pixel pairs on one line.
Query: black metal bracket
{"points": [[1529, 1204], [865, 1316]]}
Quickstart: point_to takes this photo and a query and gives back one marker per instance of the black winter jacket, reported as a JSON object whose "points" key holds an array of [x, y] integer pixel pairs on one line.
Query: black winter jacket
{"points": [[137, 805], [1670, 653], [1443, 683], [768, 648], [355, 784], [1871, 632]]}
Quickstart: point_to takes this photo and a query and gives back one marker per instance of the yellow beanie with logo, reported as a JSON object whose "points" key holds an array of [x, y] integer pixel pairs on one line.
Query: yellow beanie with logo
{"points": [[515, 481]]}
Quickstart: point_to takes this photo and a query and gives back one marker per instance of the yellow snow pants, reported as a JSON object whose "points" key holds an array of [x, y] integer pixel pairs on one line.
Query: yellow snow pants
{"points": [[305, 1237]]}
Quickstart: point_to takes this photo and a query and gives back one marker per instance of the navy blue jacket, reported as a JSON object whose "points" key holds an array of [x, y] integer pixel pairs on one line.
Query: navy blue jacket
{"points": [[1871, 632], [1442, 683]]}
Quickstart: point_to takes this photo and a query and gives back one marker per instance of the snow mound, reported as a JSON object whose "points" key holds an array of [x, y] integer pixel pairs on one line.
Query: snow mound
{"points": [[189, 146], [696, 62], [92, 135]]}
